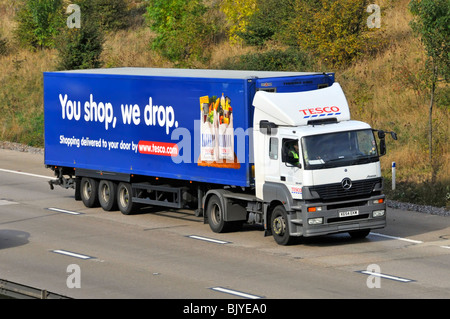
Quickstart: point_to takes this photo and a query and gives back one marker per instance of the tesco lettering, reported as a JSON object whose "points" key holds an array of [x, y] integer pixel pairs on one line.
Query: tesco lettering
{"points": [[320, 110]]}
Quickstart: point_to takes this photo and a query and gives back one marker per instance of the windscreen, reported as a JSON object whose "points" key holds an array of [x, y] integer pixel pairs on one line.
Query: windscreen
{"points": [[339, 149]]}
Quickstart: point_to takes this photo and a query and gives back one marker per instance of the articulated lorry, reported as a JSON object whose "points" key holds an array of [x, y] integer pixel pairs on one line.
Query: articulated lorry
{"points": [[272, 148]]}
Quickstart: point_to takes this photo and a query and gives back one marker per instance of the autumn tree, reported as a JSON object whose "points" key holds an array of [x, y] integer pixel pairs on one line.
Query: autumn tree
{"points": [[335, 30], [237, 14]]}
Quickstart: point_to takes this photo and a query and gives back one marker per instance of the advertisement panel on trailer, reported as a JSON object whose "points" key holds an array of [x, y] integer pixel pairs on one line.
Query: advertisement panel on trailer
{"points": [[167, 127]]}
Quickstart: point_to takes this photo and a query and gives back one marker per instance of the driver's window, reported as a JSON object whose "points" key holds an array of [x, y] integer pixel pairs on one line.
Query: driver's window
{"points": [[290, 152]]}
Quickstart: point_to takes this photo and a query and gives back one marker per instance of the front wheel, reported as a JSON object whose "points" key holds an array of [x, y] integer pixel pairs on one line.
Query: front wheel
{"points": [[215, 215], [280, 226], [359, 234]]}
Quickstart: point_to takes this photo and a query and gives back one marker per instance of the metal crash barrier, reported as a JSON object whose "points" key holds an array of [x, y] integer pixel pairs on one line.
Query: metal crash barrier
{"points": [[18, 291]]}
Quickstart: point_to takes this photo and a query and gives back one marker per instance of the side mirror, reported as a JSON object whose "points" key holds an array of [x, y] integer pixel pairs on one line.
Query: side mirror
{"points": [[266, 127], [381, 136], [393, 135]]}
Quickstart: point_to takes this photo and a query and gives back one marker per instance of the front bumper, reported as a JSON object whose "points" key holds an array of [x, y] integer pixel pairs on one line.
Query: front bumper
{"points": [[327, 219]]}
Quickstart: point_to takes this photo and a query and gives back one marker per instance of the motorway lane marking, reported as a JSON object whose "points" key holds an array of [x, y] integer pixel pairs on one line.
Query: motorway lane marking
{"points": [[64, 211], [398, 238], [4, 202], [376, 274], [212, 240], [23, 173], [236, 293], [71, 254], [448, 247]]}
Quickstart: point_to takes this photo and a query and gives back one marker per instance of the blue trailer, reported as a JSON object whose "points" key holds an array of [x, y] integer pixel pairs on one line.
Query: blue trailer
{"points": [[127, 137]]}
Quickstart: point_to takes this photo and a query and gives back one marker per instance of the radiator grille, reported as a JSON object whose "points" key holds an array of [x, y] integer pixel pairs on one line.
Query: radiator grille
{"points": [[358, 189]]}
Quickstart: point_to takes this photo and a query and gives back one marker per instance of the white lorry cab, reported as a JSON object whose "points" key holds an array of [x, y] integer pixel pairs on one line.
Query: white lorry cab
{"points": [[316, 170]]}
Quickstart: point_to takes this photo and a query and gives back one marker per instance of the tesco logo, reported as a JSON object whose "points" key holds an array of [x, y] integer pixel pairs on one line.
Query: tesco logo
{"points": [[320, 111]]}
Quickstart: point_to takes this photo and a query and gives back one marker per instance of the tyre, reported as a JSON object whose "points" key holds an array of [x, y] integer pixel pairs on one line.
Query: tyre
{"points": [[215, 215], [89, 192], [125, 199], [107, 195], [359, 234], [280, 226]]}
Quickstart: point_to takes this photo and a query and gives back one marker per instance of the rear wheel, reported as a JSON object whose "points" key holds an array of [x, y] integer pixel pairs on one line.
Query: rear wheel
{"points": [[280, 226], [89, 192], [107, 194], [124, 199]]}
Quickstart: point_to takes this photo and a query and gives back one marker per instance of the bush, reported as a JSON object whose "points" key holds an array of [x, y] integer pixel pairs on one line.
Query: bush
{"points": [[335, 30], [292, 59], [184, 31], [237, 13], [435, 194], [39, 21], [111, 14], [270, 21]]}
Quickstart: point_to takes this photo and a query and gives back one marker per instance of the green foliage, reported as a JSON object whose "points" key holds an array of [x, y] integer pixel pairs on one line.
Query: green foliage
{"points": [[270, 21], [426, 193], [335, 30], [184, 30], [291, 59], [432, 22], [81, 48], [111, 14], [39, 21], [237, 14]]}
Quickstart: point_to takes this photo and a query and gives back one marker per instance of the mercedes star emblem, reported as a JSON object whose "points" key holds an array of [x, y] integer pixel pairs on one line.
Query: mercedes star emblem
{"points": [[346, 183]]}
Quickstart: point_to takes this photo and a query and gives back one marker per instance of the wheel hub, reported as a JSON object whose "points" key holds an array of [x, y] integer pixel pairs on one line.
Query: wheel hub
{"points": [[279, 226]]}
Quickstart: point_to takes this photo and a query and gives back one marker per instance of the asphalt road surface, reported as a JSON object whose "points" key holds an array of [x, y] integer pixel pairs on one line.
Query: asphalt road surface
{"points": [[50, 241]]}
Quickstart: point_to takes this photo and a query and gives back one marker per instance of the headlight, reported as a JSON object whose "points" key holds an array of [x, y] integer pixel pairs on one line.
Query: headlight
{"points": [[315, 221], [378, 213]]}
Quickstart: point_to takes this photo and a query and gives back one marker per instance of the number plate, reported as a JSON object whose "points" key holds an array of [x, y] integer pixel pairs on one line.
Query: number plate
{"points": [[349, 213]]}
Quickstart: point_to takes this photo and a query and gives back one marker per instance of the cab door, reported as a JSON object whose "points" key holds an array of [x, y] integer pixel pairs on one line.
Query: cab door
{"points": [[290, 164], [272, 159]]}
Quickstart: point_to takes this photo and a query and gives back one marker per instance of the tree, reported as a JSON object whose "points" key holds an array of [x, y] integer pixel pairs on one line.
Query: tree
{"points": [[335, 30], [183, 29], [270, 21], [237, 13], [39, 22], [81, 48], [432, 23], [112, 14]]}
